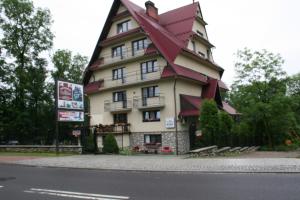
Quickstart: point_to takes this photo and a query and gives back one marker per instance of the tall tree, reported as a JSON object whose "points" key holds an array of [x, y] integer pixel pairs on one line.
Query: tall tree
{"points": [[67, 66], [209, 121], [259, 92], [26, 35]]}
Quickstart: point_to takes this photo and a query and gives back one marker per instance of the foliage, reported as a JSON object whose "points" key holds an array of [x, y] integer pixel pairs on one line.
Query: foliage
{"points": [[88, 144], [110, 144], [259, 92], [209, 121], [225, 127], [26, 36]]}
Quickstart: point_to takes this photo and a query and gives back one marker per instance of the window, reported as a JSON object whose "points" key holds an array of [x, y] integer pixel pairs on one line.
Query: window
{"points": [[148, 67], [118, 73], [200, 33], [151, 116], [152, 91], [201, 54], [119, 96], [120, 118], [194, 46], [139, 45], [152, 139], [118, 51], [123, 27]]}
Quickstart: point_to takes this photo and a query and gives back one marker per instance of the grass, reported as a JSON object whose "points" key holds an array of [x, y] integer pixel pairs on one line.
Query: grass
{"points": [[35, 154]]}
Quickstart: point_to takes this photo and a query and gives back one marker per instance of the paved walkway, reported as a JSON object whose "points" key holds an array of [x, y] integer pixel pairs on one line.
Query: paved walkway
{"points": [[169, 163]]}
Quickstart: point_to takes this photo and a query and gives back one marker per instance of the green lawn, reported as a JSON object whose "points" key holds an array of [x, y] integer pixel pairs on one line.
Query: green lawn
{"points": [[35, 154]]}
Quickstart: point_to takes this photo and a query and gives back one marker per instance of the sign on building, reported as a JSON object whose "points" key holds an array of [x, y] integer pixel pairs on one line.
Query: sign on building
{"points": [[170, 122]]}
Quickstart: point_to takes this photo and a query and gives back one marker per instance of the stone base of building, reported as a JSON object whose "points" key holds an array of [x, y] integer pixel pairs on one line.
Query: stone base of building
{"points": [[168, 138]]}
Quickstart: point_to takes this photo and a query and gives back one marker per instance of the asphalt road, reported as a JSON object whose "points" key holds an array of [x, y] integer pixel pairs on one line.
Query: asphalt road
{"points": [[32, 183]]}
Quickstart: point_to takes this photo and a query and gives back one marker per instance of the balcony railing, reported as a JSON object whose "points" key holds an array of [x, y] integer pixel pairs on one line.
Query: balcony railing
{"points": [[120, 106], [132, 78], [126, 55], [114, 128], [152, 102]]}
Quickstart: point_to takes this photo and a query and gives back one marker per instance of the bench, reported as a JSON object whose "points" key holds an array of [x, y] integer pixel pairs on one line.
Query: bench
{"points": [[205, 151], [222, 150], [244, 149], [235, 149]]}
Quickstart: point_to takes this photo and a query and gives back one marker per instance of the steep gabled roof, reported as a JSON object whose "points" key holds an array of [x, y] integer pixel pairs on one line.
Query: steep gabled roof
{"points": [[168, 35]]}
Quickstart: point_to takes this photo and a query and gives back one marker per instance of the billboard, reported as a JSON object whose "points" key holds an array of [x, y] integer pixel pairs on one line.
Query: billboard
{"points": [[69, 96], [70, 116]]}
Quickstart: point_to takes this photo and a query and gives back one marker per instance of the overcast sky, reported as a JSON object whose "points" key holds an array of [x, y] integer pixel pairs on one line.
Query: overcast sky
{"points": [[232, 24]]}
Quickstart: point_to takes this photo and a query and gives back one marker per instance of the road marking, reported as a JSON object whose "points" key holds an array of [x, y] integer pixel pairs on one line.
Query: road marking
{"points": [[1, 186], [78, 195]]}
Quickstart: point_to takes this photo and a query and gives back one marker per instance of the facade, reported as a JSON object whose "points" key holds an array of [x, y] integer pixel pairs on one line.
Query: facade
{"points": [[152, 71]]}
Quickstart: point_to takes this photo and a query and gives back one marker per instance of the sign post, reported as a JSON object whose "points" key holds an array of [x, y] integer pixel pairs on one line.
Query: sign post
{"points": [[69, 103]]}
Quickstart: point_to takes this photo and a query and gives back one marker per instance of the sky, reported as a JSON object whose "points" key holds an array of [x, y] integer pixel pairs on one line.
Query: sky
{"points": [[232, 24]]}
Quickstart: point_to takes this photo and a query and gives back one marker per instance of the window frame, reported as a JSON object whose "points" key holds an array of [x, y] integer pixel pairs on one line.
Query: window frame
{"points": [[121, 98], [116, 72], [156, 113], [152, 91], [156, 136], [122, 49], [116, 118], [120, 26], [147, 68], [145, 44]]}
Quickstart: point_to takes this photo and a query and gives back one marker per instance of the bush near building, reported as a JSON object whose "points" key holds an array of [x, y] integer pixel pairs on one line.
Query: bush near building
{"points": [[110, 144]]}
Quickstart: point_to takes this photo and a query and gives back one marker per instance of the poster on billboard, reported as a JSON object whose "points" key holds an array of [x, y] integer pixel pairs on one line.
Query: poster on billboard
{"points": [[70, 116], [69, 96]]}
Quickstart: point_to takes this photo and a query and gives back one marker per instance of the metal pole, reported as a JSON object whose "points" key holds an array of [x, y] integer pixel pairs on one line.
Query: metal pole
{"points": [[56, 121], [175, 117]]}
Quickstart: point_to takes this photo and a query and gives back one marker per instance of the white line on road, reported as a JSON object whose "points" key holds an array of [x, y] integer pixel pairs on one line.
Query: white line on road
{"points": [[75, 194], [1, 186]]}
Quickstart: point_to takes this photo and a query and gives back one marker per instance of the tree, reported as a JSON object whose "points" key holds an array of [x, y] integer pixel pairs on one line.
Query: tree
{"points": [[209, 121], [67, 66], [26, 35], [225, 128], [259, 92], [110, 144]]}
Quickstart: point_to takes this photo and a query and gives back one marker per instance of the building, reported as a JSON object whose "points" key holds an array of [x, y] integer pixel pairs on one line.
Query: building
{"points": [[152, 71]]}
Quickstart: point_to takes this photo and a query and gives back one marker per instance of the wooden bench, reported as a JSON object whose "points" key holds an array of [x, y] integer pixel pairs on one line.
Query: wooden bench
{"points": [[244, 149], [205, 151], [235, 149], [222, 150]]}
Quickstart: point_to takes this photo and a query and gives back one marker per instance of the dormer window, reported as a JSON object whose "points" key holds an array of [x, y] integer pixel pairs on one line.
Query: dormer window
{"points": [[123, 27]]}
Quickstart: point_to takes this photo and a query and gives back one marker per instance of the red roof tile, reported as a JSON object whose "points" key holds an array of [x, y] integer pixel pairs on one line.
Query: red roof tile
{"points": [[209, 91], [190, 105], [229, 109]]}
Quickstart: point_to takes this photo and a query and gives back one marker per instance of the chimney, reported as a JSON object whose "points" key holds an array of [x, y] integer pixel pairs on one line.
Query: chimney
{"points": [[151, 10]]}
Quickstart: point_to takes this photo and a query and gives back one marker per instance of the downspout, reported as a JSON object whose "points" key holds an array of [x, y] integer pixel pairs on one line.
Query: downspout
{"points": [[175, 108]]}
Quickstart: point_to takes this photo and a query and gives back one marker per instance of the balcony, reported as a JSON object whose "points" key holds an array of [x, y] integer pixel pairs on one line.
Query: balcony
{"points": [[131, 78], [150, 103], [117, 107], [127, 55], [114, 129]]}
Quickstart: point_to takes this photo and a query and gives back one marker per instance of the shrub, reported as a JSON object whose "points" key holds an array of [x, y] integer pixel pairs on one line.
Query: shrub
{"points": [[110, 144], [88, 144]]}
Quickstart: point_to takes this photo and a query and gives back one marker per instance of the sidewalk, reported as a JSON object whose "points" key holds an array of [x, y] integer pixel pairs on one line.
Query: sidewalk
{"points": [[169, 163]]}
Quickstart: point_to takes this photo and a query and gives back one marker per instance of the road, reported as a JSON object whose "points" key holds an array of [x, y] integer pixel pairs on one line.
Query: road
{"points": [[32, 183]]}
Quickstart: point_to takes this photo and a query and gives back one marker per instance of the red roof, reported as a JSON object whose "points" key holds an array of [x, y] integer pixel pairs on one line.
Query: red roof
{"points": [[93, 87], [209, 91], [222, 85], [169, 34], [229, 109], [190, 105]]}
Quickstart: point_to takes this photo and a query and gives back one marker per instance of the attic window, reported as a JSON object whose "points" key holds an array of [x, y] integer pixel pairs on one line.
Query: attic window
{"points": [[123, 26]]}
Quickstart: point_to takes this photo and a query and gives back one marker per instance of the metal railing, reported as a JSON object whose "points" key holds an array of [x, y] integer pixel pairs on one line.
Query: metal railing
{"points": [[126, 54], [132, 77], [110, 106], [152, 102]]}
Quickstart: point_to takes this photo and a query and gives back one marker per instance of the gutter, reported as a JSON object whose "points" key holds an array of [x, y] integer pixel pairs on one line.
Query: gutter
{"points": [[175, 116]]}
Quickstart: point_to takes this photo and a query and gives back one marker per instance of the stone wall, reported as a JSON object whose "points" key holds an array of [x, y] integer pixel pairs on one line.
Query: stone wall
{"points": [[168, 139], [41, 148]]}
